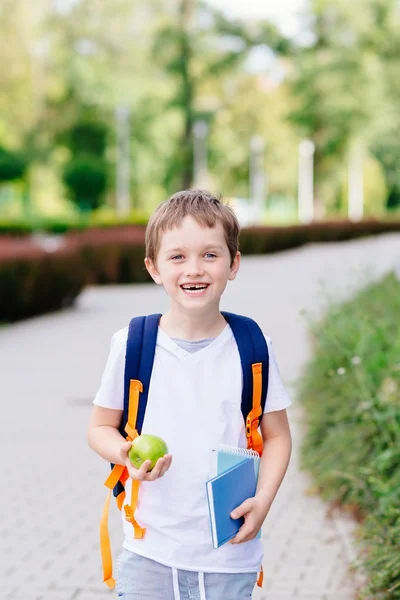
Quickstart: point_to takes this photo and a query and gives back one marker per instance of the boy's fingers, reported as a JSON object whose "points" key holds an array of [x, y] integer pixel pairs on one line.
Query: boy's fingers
{"points": [[240, 536], [142, 472], [160, 468], [167, 463], [245, 533], [164, 470], [164, 465], [156, 471], [243, 509], [133, 473], [125, 448]]}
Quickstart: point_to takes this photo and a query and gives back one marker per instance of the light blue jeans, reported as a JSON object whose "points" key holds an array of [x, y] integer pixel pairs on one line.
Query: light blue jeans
{"points": [[139, 578]]}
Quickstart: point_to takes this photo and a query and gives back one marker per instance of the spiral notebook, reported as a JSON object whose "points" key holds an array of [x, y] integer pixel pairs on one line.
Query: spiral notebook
{"points": [[224, 457], [233, 479]]}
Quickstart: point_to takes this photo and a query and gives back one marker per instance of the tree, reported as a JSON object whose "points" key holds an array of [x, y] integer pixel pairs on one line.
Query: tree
{"points": [[385, 41], [12, 165], [85, 177], [339, 83], [199, 50], [85, 174]]}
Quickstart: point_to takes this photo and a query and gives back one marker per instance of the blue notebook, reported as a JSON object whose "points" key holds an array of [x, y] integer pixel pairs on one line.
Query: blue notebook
{"points": [[226, 492]]}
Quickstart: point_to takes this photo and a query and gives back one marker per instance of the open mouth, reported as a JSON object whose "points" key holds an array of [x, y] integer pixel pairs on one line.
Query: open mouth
{"points": [[195, 289]]}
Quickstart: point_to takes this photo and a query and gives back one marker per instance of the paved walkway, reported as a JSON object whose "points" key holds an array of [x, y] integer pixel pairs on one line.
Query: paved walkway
{"points": [[52, 483]]}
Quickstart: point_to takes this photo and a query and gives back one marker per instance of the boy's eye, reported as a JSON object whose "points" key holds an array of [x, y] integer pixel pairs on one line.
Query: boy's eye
{"points": [[211, 255], [177, 257]]}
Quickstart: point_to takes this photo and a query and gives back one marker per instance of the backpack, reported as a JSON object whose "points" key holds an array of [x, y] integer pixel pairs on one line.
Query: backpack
{"points": [[139, 359]]}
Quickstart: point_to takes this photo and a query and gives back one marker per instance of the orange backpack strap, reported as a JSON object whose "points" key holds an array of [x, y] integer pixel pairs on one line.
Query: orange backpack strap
{"points": [[105, 546], [131, 509], [260, 579], [119, 473], [254, 358], [135, 386], [114, 476], [254, 439]]}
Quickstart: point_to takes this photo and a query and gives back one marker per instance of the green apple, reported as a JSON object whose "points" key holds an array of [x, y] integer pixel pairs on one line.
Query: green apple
{"points": [[147, 447]]}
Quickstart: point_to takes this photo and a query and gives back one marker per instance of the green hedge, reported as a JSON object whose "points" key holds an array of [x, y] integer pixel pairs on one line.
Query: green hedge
{"points": [[115, 263], [39, 282], [263, 240], [102, 219], [351, 396], [258, 239], [112, 255], [116, 254]]}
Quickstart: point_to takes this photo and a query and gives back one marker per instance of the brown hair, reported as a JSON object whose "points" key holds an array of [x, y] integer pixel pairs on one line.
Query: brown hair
{"points": [[205, 208]]}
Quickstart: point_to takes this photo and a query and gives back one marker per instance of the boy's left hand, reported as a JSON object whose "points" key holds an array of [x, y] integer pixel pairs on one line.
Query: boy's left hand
{"points": [[254, 512]]}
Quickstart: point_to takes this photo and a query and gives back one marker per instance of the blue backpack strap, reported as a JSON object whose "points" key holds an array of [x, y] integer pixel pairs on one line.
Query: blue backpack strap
{"points": [[139, 360], [149, 340], [252, 348]]}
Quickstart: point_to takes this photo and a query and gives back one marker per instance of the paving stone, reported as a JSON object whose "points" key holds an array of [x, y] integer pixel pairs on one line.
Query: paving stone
{"points": [[51, 368]]}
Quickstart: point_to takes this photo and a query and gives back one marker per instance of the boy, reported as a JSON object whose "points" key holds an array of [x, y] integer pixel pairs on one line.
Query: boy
{"points": [[194, 405]]}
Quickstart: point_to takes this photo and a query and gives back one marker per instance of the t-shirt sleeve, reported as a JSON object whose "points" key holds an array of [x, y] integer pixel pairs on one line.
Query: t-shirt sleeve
{"points": [[111, 391], [277, 396]]}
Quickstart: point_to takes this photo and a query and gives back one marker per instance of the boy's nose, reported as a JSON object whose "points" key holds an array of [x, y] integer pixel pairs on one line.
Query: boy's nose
{"points": [[193, 269]]}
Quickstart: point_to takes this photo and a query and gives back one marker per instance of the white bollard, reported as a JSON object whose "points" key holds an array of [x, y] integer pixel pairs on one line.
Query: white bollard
{"points": [[123, 200], [306, 181], [356, 186], [200, 159], [257, 178]]}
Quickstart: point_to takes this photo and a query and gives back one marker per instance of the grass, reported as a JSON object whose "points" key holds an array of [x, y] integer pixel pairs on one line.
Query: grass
{"points": [[351, 396]]}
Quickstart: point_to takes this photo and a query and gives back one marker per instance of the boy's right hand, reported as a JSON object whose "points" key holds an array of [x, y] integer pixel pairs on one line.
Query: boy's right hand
{"points": [[143, 474]]}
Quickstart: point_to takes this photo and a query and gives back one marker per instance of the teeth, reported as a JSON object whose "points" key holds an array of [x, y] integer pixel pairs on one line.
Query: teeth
{"points": [[194, 287]]}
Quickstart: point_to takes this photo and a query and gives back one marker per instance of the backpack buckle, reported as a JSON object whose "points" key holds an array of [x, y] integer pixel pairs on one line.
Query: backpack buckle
{"points": [[128, 513], [251, 425], [254, 438]]}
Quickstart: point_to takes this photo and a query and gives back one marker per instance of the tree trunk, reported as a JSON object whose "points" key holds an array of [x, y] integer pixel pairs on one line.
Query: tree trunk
{"points": [[186, 12]]}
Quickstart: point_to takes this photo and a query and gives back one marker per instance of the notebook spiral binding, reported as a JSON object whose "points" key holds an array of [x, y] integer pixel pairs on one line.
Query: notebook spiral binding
{"points": [[238, 451]]}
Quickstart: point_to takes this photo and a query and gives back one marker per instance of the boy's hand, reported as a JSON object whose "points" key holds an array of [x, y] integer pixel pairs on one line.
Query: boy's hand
{"points": [[143, 474], [254, 512]]}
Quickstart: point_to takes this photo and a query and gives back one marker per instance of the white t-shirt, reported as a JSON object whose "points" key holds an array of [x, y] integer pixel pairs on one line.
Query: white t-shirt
{"points": [[194, 405]]}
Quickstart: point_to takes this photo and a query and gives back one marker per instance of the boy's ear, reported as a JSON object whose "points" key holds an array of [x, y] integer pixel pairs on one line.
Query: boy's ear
{"points": [[234, 267], [150, 266]]}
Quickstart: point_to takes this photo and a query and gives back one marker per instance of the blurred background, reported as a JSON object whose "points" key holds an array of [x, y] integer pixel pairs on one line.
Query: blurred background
{"points": [[109, 107], [290, 110]]}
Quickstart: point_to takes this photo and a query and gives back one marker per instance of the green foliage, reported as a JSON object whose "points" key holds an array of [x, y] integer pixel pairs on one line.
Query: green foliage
{"points": [[200, 60], [33, 281], [388, 152], [102, 217], [347, 88], [86, 178], [350, 392], [74, 66], [85, 175], [87, 137], [114, 262], [12, 165], [38, 283], [263, 240]]}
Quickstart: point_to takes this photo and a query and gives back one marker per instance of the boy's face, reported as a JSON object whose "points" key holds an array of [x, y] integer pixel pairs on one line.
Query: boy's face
{"points": [[194, 265]]}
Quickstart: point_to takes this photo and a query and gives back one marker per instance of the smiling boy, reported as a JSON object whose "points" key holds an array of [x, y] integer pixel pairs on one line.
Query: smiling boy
{"points": [[194, 404]]}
